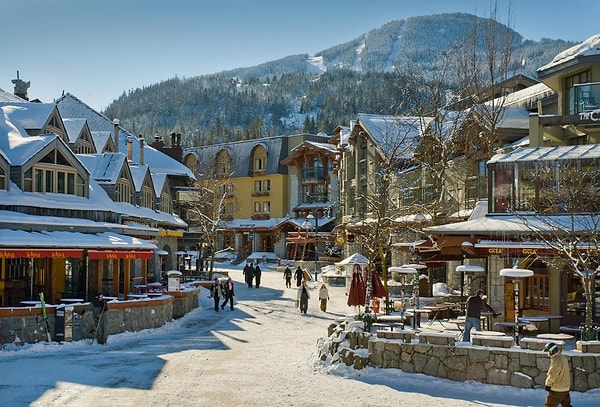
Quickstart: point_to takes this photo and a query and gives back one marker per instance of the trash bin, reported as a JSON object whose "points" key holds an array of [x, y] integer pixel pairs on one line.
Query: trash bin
{"points": [[173, 280]]}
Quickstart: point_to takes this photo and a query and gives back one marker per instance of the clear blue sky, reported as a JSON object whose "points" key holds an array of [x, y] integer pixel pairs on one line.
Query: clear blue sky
{"points": [[97, 49]]}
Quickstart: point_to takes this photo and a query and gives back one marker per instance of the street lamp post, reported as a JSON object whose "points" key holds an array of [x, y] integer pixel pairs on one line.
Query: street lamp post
{"points": [[316, 218]]}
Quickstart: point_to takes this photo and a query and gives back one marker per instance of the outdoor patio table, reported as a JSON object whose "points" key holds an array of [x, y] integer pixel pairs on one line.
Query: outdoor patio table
{"points": [[437, 311], [556, 337]]}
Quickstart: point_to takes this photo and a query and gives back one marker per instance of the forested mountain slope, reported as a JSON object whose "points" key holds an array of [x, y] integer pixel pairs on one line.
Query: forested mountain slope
{"points": [[309, 93]]}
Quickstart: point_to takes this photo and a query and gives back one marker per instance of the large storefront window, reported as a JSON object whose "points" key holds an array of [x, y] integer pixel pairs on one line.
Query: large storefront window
{"points": [[536, 289], [502, 193], [574, 299]]}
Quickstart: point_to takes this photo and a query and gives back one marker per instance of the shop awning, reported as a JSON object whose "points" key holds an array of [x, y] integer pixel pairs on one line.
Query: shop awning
{"points": [[60, 244]]}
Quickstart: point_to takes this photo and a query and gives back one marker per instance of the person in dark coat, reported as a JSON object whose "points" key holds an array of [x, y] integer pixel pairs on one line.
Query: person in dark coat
{"points": [[228, 293], [216, 292], [302, 297], [99, 308], [257, 275], [287, 275], [475, 304], [248, 274], [299, 276]]}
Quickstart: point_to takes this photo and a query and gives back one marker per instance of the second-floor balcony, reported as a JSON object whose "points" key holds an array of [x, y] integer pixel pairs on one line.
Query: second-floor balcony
{"points": [[317, 173]]}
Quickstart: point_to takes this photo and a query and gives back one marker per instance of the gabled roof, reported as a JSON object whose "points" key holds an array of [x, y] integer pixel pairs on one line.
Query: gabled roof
{"points": [[589, 47], [102, 141], [9, 97], [74, 128], [31, 117], [309, 148], [104, 168], [387, 131], [139, 172], [159, 181], [70, 106]]}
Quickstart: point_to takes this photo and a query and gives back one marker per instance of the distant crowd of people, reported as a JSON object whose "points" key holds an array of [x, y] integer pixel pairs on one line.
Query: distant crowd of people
{"points": [[252, 275], [223, 292]]}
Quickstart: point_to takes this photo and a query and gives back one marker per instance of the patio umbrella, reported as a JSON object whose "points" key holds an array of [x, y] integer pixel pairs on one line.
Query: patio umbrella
{"points": [[358, 290], [377, 288]]}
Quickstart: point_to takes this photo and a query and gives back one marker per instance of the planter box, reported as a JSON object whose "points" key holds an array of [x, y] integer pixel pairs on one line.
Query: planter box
{"points": [[588, 346]]}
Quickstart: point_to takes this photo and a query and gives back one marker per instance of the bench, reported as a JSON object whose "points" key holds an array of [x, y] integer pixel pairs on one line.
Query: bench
{"points": [[403, 335], [538, 344], [495, 341], [439, 338]]}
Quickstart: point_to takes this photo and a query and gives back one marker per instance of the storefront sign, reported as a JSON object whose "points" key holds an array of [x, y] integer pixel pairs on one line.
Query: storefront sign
{"points": [[39, 253], [593, 116], [119, 254], [518, 251]]}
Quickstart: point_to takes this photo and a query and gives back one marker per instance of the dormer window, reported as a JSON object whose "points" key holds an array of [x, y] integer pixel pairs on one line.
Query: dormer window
{"points": [[259, 160]]}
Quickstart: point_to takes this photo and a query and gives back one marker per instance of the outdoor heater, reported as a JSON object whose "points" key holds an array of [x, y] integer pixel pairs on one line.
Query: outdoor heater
{"points": [[516, 274]]}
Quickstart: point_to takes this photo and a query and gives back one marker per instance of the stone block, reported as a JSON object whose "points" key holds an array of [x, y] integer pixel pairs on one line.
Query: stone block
{"points": [[493, 341], [588, 346]]}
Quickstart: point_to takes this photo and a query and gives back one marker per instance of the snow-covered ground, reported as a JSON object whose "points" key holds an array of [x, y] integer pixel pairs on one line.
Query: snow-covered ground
{"points": [[263, 353]]}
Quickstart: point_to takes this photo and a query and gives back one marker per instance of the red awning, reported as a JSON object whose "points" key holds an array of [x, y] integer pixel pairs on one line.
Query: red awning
{"points": [[74, 253], [40, 253], [119, 254]]}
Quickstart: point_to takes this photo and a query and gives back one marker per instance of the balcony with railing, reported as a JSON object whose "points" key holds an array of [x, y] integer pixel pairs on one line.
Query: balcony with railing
{"points": [[313, 173]]}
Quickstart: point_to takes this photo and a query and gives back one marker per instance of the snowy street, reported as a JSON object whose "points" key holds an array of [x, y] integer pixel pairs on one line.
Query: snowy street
{"points": [[260, 354]]}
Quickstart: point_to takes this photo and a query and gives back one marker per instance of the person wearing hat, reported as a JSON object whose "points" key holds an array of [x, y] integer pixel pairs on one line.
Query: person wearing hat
{"points": [[474, 305], [558, 379]]}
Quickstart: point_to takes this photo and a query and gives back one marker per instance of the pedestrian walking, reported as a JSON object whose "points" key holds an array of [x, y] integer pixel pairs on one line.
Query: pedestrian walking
{"points": [[558, 379], [474, 305], [302, 297], [216, 292], [228, 293], [257, 275], [298, 275], [287, 275], [248, 274], [324, 297]]}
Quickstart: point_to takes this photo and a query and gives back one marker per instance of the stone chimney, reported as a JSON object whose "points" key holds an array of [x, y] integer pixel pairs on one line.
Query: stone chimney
{"points": [[116, 134], [141, 148], [130, 149], [21, 87]]}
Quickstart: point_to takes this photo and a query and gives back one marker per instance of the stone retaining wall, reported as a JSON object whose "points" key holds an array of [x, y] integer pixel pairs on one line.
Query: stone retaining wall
{"points": [[20, 325], [514, 366]]}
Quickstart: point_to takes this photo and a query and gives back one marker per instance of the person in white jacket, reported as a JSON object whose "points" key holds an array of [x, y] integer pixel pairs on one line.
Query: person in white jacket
{"points": [[558, 379], [302, 297], [324, 297], [216, 292]]}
